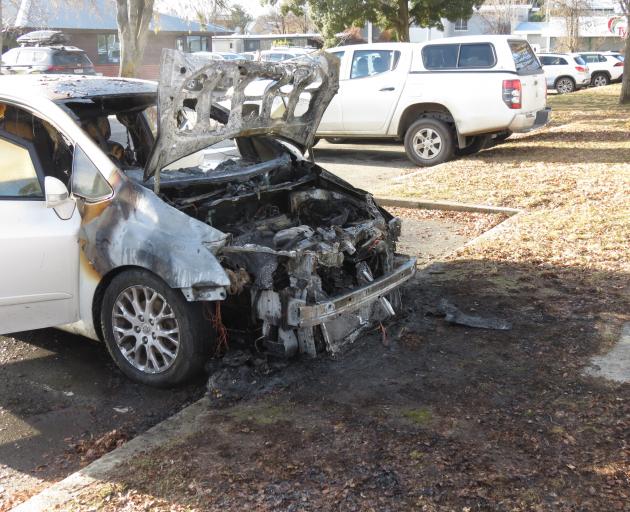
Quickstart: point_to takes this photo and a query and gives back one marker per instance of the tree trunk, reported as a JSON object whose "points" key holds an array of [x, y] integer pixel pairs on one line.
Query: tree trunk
{"points": [[402, 27], [133, 17], [625, 84]]}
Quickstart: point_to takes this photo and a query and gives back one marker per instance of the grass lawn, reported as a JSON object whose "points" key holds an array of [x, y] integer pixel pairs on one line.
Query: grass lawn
{"points": [[444, 418], [572, 178]]}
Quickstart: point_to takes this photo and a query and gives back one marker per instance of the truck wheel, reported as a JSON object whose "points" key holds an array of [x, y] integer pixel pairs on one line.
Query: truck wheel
{"points": [[599, 80], [429, 141], [565, 85], [479, 142], [500, 138], [154, 335]]}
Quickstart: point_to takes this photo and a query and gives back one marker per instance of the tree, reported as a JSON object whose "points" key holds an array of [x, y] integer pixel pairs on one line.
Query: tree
{"points": [[624, 98], [571, 11], [133, 17], [239, 18], [334, 16], [497, 15]]}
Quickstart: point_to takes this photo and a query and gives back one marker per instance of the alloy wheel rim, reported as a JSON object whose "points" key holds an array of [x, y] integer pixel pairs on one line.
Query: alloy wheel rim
{"points": [[564, 86], [427, 143], [145, 329], [599, 81]]}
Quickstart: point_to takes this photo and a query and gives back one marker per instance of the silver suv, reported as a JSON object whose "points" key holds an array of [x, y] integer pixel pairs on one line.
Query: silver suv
{"points": [[565, 72], [29, 60]]}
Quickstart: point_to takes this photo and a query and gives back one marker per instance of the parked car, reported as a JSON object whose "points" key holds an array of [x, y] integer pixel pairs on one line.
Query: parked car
{"points": [[49, 60], [604, 67], [282, 54], [221, 55], [154, 250], [565, 72], [440, 98], [46, 51]]}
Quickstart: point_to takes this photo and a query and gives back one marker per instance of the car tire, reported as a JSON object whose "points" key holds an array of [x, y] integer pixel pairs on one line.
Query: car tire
{"points": [[479, 142], [154, 335], [600, 80], [565, 85], [500, 138], [429, 141], [335, 140]]}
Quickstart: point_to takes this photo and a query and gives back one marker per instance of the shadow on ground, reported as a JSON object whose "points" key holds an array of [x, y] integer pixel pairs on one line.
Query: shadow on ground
{"points": [[434, 417]]}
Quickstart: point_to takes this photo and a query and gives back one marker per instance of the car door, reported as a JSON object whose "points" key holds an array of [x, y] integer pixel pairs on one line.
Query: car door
{"points": [[39, 260], [332, 121], [370, 94]]}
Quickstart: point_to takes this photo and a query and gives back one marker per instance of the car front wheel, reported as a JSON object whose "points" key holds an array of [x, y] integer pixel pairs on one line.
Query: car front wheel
{"points": [[153, 334], [565, 85], [429, 142]]}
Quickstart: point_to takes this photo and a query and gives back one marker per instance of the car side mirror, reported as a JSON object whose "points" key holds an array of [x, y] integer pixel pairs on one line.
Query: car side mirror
{"points": [[58, 197], [56, 192]]}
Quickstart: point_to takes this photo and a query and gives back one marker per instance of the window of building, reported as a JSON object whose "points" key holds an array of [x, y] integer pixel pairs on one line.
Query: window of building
{"points": [[461, 25], [190, 44], [108, 48]]}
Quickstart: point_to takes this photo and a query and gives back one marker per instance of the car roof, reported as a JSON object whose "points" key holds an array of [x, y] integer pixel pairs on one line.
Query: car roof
{"points": [[64, 87], [49, 48], [444, 40]]}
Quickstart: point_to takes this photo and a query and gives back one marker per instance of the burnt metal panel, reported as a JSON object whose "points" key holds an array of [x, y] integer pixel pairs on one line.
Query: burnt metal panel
{"points": [[260, 98]]}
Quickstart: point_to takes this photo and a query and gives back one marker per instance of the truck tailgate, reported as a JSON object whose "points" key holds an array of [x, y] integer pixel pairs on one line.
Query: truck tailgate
{"points": [[533, 92]]}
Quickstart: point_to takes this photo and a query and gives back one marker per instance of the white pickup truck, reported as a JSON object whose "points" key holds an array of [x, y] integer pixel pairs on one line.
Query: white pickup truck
{"points": [[441, 98]]}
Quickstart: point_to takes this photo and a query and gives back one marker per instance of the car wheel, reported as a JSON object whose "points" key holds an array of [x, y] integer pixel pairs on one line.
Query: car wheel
{"points": [[335, 140], [599, 80], [429, 142], [479, 142], [152, 332], [500, 138], [565, 85]]}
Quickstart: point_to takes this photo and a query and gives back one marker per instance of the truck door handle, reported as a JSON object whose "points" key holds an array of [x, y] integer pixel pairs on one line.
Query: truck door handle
{"points": [[387, 89]]}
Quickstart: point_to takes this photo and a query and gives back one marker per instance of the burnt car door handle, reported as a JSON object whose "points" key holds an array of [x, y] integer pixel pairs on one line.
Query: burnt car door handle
{"points": [[387, 89]]}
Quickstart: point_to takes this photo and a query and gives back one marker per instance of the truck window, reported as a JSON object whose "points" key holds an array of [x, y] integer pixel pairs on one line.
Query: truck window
{"points": [[373, 62], [440, 56], [478, 55], [524, 58]]}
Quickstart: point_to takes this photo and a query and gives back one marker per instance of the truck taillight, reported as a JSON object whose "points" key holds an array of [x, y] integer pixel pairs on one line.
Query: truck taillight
{"points": [[580, 69], [512, 93]]}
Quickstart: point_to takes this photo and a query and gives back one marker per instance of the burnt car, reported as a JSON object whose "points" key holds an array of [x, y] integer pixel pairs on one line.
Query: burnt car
{"points": [[158, 218]]}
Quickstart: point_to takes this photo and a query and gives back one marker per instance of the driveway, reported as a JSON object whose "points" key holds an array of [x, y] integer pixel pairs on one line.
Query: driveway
{"points": [[365, 164]]}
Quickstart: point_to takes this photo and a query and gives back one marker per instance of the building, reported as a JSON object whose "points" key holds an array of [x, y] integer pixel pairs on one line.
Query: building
{"points": [[91, 25], [252, 42], [488, 19], [601, 26]]}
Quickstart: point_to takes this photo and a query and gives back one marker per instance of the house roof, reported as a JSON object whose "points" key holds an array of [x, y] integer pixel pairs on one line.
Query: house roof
{"points": [[531, 27], [95, 15]]}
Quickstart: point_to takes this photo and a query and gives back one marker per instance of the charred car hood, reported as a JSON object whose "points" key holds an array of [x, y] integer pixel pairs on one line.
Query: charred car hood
{"points": [[202, 102]]}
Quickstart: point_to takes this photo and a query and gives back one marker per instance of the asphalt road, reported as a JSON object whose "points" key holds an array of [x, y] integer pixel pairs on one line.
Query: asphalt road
{"points": [[60, 393]]}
